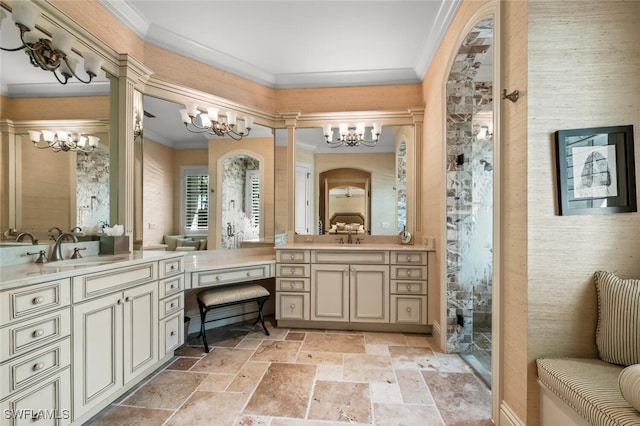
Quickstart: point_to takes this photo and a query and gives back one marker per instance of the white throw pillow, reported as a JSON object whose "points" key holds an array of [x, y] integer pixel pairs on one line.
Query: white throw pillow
{"points": [[629, 382]]}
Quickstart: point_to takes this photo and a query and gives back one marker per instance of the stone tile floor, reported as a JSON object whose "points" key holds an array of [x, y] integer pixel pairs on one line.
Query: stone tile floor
{"points": [[306, 378]]}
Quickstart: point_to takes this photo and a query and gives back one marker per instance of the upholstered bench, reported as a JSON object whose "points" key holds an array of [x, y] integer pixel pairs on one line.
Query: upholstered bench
{"points": [[228, 295], [605, 390]]}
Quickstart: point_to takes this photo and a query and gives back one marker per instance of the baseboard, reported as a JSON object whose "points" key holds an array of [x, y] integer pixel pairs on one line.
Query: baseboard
{"points": [[436, 332], [508, 417]]}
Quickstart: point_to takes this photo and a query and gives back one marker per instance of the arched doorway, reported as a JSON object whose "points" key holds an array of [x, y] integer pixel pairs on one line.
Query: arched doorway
{"points": [[469, 207]]}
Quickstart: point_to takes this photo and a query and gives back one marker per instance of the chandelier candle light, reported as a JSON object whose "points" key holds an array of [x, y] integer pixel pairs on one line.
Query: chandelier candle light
{"points": [[50, 55], [211, 123], [352, 136], [64, 141]]}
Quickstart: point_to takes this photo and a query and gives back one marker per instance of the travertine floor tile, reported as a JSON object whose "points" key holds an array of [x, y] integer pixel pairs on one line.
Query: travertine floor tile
{"points": [[295, 336], [334, 358], [368, 368], [412, 357], [333, 342], [223, 360], [277, 351], [182, 363], [406, 415], [413, 388], [168, 389], [130, 416], [388, 393], [283, 392], [385, 338], [216, 382], [248, 377], [340, 401], [329, 372], [460, 397], [209, 408]]}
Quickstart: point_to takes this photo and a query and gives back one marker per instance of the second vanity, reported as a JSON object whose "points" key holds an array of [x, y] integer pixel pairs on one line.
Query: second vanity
{"points": [[380, 287]]}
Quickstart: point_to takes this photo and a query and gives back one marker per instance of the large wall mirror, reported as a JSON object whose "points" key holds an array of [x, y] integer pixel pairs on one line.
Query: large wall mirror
{"points": [[202, 191], [41, 188], [362, 190]]}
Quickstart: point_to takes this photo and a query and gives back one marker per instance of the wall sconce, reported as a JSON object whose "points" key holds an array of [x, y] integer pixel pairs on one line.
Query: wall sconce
{"points": [[210, 122], [352, 136], [63, 141], [50, 55]]}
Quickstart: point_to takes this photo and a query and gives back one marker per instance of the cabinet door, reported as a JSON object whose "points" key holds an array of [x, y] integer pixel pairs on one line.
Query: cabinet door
{"points": [[369, 288], [330, 292], [97, 351], [140, 329], [408, 309]]}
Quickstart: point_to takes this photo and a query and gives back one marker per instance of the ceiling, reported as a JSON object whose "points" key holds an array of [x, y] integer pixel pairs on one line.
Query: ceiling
{"points": [[280, 44]]}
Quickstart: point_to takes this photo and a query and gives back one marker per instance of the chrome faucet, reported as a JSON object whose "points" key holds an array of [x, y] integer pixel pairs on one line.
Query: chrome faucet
{"points": [[55, 228], [76, 229], [349, 241], [57, 247], [21, 235]]}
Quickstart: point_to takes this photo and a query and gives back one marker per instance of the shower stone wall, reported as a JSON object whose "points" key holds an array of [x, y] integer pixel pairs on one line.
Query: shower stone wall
{"points": [[469, 193]]}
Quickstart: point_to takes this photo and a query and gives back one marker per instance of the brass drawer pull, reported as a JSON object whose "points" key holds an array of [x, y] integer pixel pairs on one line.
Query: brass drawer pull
{"points": [[292, 306], [409, 310], [409, 287]]}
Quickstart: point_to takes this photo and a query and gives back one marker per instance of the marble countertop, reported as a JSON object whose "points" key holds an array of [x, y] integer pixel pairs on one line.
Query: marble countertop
{"points": [[205, 262], [13, 276]]}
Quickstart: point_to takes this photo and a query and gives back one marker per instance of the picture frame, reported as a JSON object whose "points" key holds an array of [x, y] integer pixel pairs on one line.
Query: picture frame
{"points": [[596, 170]]}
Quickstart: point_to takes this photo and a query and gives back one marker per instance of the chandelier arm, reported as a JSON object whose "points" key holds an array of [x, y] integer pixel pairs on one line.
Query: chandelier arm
{"points": [[15, 49], [198, 129], [91, 75], [66, 77]]}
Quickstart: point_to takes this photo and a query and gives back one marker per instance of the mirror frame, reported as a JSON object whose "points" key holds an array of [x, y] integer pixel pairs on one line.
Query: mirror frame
{"points": [[413, 117]]}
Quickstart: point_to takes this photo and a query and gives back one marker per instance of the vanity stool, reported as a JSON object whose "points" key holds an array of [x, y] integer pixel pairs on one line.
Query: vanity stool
{"points": [[218, 297]]}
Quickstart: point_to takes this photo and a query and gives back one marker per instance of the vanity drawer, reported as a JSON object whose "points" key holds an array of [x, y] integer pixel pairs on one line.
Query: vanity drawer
{"points": [[408, 309], [171, 305], [172, 266], [293, 284], [171, 330], [292, 256], [408, 257], [31, 300], [31, 334], [408, 272], [230, 275], [170, 286], [292, 306], [27, 369], [47, 402], [408, 287], [355, 256], [99, 283], [287, 270]]}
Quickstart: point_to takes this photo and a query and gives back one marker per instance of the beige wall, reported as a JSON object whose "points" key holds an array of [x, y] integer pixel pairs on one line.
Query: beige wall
{"points": [[589, 79], [281, 197], [159, 192]]}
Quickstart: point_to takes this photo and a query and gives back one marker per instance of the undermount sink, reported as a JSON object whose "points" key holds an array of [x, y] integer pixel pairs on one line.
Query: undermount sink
{"points": [[86, 261]]}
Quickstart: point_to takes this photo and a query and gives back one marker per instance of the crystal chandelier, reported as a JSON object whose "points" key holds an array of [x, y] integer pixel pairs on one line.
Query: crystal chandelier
{"points": [[50, 55], [211, 123], [352, 136], [63, 141]]}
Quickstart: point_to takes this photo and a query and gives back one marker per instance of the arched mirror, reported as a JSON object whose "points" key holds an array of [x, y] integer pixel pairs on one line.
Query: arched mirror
{"points": [[204, 192], [363, 188]]}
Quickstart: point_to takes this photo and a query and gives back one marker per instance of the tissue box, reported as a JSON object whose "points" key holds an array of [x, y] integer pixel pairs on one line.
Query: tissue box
{"points": [[114, 245]]}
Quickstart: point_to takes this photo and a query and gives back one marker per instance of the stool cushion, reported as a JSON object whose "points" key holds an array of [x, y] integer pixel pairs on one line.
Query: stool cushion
{"points": [[231, 294]]}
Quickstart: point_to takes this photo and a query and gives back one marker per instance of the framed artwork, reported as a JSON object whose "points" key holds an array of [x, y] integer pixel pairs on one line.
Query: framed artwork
{"points": [[596, 170]]}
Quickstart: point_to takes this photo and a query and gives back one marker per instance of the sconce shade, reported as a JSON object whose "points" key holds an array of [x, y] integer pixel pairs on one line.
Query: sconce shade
{"points": [[25, 13], [63, 141], [61, 40]]}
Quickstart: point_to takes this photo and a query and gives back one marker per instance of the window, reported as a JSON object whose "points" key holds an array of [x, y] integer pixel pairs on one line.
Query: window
{"points": [[195, 199], [252, 197]]}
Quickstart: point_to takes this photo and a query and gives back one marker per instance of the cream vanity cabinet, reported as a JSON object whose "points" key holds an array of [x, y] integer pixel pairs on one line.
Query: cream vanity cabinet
{"points": [[350, 286], [35, 354], [115, 330], [292, 284], [409, 287]]}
